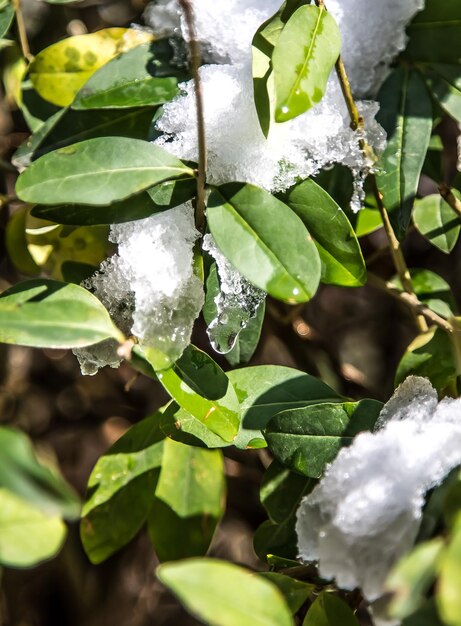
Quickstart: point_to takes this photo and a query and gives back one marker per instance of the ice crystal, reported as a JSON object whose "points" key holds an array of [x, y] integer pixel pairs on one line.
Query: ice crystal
{"points": [[236, 303], [365, 513], [149, 286]]}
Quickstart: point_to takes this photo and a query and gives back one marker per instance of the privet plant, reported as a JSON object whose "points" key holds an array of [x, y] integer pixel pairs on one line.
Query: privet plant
{"points": [[223, 154]]}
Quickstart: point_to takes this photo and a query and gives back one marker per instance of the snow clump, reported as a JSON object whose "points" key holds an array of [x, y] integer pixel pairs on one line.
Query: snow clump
{"points": [[301, 147], [365, 513], [149, 286]]}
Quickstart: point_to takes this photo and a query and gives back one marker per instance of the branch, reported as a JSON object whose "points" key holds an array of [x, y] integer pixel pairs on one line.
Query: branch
{"points": [[411, 300], [194, 59], [450, 198], [22, 30]]}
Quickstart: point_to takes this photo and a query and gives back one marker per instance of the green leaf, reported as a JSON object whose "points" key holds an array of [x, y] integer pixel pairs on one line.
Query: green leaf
{"points": [[200, 387], [303, 57], [339, 250], [368, 221], [265, 390], [444, 83], [448, 597], [223, 594], [263, 45], [406, 116], [49, 314], [412, 578], [121, 490], [429, 355], [98, 172], [245, 223], [437, 222], [281, 492], [35, 109], [307, 439], [432, 290], [295, 592], [27, 535], [426, 616], [58, 72], [248, 339], [189, 501], [6, 19], [23, 475], [159, 198], [140, 77], [434, 33], [68, 127], [16, 243], [329, 610]]}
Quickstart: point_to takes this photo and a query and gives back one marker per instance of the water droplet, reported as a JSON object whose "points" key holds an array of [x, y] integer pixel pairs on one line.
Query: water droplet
{"points": [[285, 109], [295, 291]]}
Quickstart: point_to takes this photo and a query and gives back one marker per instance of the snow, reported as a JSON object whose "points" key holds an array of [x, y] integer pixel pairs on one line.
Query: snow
{"points": [[149, 286], [300, 148], [365, 513], [236, 303]]}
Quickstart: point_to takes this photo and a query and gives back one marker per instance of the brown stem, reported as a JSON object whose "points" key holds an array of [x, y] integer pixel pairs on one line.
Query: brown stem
{"points": [[411, 300], [195, 58], [450, 198], [22, 30], [397, 254]]}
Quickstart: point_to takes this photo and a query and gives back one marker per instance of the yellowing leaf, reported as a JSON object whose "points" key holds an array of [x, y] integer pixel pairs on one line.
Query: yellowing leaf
{"points": [[58, 72]]}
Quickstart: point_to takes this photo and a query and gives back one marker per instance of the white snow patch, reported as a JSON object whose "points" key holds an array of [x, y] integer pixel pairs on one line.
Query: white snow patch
{"points": [[149, 286], [365, 513]]}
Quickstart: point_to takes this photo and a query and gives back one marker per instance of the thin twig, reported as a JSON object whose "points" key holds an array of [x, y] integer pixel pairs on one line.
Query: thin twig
{"points": [[450, 198], [22, 30], [195, 59], [411, 300], [397, 254]]}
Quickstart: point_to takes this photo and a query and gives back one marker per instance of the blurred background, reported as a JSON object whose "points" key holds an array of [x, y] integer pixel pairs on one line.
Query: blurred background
{"points": [[353, 339]]}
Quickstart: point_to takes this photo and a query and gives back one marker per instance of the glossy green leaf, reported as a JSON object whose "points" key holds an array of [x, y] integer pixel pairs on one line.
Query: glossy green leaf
{"points": [[68, 127], [265, 390], [98, 172], [140, 77], [339, 250], [307, 439], [448, 596], [432, 290], [429, 355], [200, 387], [303, 57], [329, 610], [189, 501], [263, 45], [406, 116], [6, 19], [172, 194], [437, 222], [58, 72], [444, 83], [245, 223], [41, 486], [50, 314], [223, 594], [121, 490], [295, 592], [434, 33], [412, 578], [27, 535]]}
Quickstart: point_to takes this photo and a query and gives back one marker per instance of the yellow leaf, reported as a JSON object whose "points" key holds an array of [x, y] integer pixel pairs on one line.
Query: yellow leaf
{"points": [[58, 72]]}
